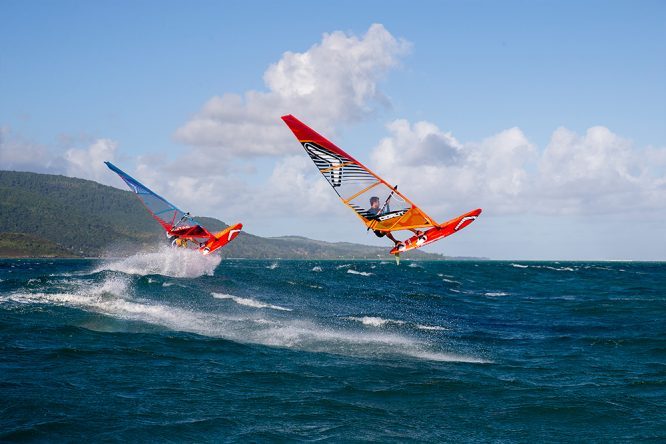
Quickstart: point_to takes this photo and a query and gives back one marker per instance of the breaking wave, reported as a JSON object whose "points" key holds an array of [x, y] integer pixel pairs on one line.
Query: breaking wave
{"points": [[360, 273], [114, 296], [375, 321], [249, 302], [430, 327], [544, 267]]}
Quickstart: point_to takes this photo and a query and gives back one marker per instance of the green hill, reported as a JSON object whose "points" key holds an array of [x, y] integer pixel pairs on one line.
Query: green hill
{"points": [[58, 216]]}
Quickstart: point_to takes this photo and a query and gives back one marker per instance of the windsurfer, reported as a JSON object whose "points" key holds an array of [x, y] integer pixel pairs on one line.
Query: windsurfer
{"points": [[375, 211], [176, 241]]}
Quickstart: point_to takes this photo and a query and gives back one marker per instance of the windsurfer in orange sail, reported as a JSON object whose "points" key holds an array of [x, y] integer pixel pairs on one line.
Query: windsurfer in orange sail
{"points": [[353, 182], [375, 211]]}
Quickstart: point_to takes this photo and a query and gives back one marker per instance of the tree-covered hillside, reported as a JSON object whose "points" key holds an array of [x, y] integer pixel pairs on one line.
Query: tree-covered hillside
{"points": [[80, 216]]}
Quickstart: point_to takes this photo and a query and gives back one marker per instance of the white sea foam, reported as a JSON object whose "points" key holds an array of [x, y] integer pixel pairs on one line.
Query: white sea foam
{"points": [[430, 327], [249, 302], [375, 321], [496, 293], [360, 273], [343, 266], [114, 297], [450, 281], [545, 267], [317, 269], [167, 261], [272, 266]]}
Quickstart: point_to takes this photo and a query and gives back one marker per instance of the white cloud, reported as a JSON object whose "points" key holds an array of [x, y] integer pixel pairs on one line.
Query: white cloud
{"points": [[443, 175], [88, 163], [600, 172], [597, 173], [334, 81], [19, 154], [295, 188]]}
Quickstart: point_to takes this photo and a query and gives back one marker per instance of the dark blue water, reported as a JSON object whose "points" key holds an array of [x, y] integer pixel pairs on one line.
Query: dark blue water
{"points": [[160, 347]]}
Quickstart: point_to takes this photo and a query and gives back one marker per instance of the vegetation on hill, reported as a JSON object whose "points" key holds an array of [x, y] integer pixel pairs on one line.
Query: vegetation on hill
{"points": [[80, 216]]}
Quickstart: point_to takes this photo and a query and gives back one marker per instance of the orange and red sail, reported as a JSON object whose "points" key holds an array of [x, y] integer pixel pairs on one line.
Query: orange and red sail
{"points": [[356, 184]]}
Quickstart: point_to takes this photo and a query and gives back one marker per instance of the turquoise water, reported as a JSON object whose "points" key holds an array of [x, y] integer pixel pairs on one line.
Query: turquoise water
{"points": [[169, 346]]}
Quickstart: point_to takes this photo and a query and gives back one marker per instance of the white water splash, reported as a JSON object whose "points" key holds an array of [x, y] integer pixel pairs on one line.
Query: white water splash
{"points": [[375, 321], [272, 266], [430, 327], [167, 261], [360, 273], [545, 267], [317, 269], [248, 302]]}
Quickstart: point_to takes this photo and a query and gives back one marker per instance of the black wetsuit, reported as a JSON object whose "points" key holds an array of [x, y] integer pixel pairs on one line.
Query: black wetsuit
{"points": [[372, 214]]}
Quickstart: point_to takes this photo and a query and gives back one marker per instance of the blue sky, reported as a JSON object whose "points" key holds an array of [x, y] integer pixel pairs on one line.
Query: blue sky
{"points": [[135, 79]]}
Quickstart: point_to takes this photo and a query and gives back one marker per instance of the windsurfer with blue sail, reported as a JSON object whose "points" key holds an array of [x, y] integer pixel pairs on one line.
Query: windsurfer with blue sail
{"points": [[179, 226]]}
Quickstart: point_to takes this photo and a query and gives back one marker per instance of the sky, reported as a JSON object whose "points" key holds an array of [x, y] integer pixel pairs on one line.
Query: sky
{"points": [[549, 115]]}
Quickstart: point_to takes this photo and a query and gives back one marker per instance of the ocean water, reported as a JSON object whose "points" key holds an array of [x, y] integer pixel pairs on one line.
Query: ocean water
{"points": [[173, 346]]}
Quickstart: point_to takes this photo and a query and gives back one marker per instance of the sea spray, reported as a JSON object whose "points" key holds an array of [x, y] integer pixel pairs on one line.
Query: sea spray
{"points": [[167, 261], [249, 302]]}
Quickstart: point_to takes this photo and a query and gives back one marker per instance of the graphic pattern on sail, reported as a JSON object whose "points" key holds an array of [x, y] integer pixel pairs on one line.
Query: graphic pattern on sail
{"points": [[173, 220], [381, 206]]}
